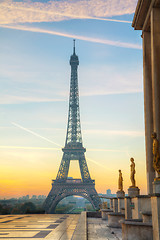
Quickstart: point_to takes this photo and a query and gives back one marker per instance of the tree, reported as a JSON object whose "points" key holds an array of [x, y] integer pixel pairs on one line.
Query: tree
{"points": [[28, 207]]}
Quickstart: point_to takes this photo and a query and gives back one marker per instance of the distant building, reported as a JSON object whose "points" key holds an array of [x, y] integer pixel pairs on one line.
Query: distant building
{"points": [[108, 192], [107, 195]]}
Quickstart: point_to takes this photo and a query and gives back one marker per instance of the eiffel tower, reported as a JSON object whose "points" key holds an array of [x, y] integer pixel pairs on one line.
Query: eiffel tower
{"points": [[63, 186]]}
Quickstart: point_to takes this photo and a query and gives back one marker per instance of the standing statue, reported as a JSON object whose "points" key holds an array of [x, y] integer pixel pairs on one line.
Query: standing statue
{"points": [[156, 154], [120, 181], [132, 176]]}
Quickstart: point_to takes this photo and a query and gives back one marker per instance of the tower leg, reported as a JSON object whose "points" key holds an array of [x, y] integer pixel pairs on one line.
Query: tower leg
{"points": [[84, 168], [64, 167]]}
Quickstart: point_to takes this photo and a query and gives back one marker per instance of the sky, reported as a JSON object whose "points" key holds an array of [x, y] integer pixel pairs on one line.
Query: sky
{"points": [[36, 44]]}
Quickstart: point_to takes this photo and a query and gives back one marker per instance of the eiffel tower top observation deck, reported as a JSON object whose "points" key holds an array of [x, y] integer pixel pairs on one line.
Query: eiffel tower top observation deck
{"points": [[74, 135]]}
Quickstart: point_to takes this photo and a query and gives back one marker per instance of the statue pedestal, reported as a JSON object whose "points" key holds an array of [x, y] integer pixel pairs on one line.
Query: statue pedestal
{"points": [[104, 213], [156, 186], [133, 191], [114, 219], [120, 194]]}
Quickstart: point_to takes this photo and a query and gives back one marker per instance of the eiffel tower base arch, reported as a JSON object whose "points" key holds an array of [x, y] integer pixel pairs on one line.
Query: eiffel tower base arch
{"points": [[71, 187]]}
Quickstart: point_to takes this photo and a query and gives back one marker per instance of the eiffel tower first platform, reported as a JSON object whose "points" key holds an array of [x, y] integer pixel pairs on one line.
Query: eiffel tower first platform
{"points": [[63, 186]]}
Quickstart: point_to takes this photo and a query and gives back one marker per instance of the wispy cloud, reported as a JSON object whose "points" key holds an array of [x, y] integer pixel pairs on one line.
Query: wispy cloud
{"points": [[49, 148], [53, 149], [110, 81], [27, 11], [46, 88], [115, 132], [68, 35], [28, 148], [105, 150], [10, 99]]}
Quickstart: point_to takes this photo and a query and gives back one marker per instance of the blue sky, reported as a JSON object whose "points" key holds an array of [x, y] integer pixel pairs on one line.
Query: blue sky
{"points": [[35, 45]]}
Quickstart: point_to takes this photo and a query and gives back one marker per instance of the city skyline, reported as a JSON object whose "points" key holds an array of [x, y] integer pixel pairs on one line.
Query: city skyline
{"points": [[35, 80]]}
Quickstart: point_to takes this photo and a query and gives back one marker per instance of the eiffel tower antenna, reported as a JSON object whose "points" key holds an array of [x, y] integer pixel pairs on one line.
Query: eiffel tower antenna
{"points": [[74, 45], [73, 150]]}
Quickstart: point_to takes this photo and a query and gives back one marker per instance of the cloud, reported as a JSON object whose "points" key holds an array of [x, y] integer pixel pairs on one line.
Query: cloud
{"points": [[84, 38], [115, 132], [53, 149], [111, 80], [49, 148], [28, 148], [28, 11], [105, 150], [13, 99], [93, 81]]}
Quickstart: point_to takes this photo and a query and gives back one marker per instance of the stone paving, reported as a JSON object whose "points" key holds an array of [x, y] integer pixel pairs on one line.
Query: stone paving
{"points": [[55, 226], [98, 230]]}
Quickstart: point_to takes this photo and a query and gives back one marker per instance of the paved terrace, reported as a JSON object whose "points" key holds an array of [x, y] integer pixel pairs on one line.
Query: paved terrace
{"points": [[55, 227], [98, 230]]}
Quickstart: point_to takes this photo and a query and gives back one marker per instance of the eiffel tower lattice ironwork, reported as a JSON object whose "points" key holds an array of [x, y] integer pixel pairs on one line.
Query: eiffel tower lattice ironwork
{"points": [[73, 150]]}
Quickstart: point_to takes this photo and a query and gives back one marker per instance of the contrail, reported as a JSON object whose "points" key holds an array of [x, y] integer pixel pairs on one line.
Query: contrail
{"points": [[83, 38], [109, 20], [35, 134], [98, 164]]}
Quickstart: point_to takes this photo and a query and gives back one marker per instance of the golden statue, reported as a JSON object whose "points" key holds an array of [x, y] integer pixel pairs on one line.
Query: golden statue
{"points": [[120, 181], [156, 154], [132, 177]]}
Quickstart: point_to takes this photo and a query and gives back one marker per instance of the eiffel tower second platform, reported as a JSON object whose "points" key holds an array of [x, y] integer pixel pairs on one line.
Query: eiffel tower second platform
{"points": [[63, 186]]}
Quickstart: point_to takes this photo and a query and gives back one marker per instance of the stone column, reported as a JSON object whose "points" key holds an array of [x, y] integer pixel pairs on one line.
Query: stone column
{"points": [[155, 203], [148, 108], [155, 51], [121, 208], [115, 205], [128, 209], [111, 203]]}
